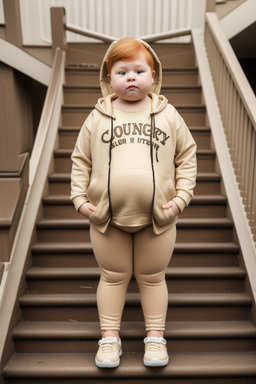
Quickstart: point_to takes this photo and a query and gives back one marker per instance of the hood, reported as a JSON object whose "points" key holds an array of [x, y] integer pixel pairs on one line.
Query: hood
{"points": [[104, 82]]}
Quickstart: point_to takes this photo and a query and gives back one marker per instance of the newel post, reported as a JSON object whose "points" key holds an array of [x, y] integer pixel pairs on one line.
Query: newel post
{"points": [[58, 23]]}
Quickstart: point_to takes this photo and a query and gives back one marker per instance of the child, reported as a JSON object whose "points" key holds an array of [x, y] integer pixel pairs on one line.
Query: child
{"points": [[134, 170]]}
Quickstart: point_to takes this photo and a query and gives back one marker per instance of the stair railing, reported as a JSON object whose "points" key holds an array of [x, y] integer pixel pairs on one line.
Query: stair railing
{"points": [[59, 28], [39, 166], [237, 104], [214, 119]]}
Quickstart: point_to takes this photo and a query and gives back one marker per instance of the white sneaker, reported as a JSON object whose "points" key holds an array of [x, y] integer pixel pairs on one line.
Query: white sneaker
{"points": [[109, 352], [156, 354]]}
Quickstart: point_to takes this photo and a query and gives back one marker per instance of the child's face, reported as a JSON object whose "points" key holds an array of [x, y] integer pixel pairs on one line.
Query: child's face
{"points": [[131, 80]]}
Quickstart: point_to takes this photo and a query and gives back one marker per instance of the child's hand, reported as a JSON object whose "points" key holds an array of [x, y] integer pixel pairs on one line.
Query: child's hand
{"points": [[171, 204], [86, 209]]}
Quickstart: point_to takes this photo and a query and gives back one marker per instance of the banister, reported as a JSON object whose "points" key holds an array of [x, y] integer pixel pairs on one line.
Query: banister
{"points": [[236, 206], [237, 105], [60, 26], [46, 115], [147, 38], [89, 33], [40, 163], [166, 35]]}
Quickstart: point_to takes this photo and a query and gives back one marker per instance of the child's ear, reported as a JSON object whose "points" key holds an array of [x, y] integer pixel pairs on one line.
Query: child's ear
{"points": [[109, 77], [153, 75]]}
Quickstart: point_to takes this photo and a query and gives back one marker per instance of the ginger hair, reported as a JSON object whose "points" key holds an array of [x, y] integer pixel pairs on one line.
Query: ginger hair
{"points": [[128, 49]]}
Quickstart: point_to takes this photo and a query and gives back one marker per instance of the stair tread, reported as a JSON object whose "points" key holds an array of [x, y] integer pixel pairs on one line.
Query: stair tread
{"points": [[164, 87], [200, 176], [91, 330], [176, 106], [77, 129], [67, 152], [179, 247], [84, 68], [79, 365], [203, 299], [93, 272], [199, 199], [219, 222]]}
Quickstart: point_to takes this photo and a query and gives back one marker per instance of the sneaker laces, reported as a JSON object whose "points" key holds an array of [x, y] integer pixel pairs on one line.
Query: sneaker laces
{"points": [[155, 343], [107, 344]]}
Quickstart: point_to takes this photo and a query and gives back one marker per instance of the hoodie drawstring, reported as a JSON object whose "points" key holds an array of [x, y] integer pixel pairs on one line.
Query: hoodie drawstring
{"points": [[152, 160], [109, 166]]}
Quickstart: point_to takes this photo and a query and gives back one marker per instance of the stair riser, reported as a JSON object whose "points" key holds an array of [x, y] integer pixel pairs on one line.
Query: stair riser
{"points": [[201, 211], [72, 116], [177, 260], [174, 346], [180, 55], [183, 235], [63, 235], [84, 96], [205, 163], [170, 78], [67, 140], [171, 380], [182, 285], [204, 234], [202, 188], [207, 187], [204, 211], [59, 188], [134, 313]]}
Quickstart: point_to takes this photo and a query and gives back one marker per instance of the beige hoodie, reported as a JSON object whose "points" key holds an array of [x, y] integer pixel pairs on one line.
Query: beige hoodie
{"points": [[152, 160]]}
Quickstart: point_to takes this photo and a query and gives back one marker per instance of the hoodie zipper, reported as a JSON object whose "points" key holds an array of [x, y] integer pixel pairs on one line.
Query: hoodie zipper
{"points": [[151, 159]]}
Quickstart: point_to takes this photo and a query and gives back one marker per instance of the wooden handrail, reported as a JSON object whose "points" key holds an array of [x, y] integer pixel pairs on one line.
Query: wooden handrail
{"points": [[89, 33], [166, 35], [147, 38], [59, 28], [46, 115]]}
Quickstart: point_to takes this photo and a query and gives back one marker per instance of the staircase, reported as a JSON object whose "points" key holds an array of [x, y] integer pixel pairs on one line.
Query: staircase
{"points": [[210, 333]]}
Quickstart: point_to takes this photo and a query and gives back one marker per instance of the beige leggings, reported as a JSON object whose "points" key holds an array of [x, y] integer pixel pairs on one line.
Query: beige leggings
{"points": [[119, 254]]}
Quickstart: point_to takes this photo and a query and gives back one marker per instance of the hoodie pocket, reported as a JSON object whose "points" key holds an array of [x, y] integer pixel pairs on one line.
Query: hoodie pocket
{"points": [[101, 214], [162, 216]]}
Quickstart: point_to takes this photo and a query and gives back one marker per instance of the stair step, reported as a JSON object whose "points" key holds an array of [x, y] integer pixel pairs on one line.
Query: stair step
{"points": [[76, 114], [174, 330], [185, 254], [179, 280], [61, 207], [205, 160], [90, 76], [68, 136], [172, 273], [48, 337], [207, 183], [189, 229], [195, 307], [73, 367], [81, 95]]}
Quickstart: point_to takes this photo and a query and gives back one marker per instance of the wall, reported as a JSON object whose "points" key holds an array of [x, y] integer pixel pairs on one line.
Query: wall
{"points": [[118, 18]]}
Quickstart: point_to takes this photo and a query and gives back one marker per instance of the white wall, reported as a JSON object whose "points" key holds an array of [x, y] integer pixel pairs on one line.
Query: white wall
{"points": [[118, 18], [1, 12]]}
